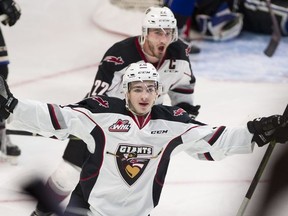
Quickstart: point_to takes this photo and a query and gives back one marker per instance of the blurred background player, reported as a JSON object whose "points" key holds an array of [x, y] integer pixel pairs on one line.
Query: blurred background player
{"points": [[212, 19], [158, 45], [216, 20], [257, 18], [221, 20], [183, 10], [9, 14]]}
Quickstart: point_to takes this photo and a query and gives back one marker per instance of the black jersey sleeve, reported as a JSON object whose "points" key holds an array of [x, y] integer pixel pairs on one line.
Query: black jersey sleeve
{"points": [[116, 58]]}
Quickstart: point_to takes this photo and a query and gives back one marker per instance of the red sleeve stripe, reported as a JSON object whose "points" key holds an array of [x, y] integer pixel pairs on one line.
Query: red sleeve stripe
{"points": [[216, 135], [53, 117], [208, 156], [138, 47], [183, 91]]}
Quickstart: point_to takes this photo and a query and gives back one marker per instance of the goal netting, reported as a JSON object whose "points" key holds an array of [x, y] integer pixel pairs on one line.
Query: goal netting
{"points": [[141, 5], [122, 17]]}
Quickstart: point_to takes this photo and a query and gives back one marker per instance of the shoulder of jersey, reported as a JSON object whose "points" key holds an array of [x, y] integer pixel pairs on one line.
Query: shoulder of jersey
{"points": [[125, 51], [173, 113], [104, 104], [177, 49], [170, 113], [126, 42]]}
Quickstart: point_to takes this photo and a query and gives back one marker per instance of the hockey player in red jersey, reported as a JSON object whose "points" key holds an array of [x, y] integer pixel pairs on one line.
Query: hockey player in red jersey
{"points": [[10, 13], [131, 141], [159, 45]]}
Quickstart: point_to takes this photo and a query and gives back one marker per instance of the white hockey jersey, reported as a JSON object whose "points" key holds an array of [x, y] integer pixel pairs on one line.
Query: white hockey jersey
{"points": [[126, 169]]}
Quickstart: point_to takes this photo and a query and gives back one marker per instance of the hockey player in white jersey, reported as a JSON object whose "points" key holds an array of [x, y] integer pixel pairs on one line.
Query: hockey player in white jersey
{"points": [[10, 13], [131, 141], [159, 45]]}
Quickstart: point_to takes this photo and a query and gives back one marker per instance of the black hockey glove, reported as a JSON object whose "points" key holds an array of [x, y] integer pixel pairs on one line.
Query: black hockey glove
{"points": [[11, 9], [192, 111], [264, 128], [7, 101], [281, 135]]}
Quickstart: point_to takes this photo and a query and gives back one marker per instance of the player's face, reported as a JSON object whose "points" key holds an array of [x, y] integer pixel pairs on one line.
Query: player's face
{"points": [[142, 96], [157, 41]]}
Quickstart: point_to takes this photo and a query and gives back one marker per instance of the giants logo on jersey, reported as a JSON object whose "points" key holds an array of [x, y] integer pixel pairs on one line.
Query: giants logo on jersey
{"points": [[132, 161], [114, 59], [120, 126]]}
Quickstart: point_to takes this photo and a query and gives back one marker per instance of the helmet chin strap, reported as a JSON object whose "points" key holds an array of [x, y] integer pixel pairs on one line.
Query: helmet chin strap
{"points": [[152, 57]]}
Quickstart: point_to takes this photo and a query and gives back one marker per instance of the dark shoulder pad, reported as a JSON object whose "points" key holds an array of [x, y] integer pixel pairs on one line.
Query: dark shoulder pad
{"points": [[172, 113], [178, 50], [102, 104], [122, 54]]}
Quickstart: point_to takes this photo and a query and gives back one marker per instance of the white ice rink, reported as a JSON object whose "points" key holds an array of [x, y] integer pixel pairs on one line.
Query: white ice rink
{"points": [[54, 51]]}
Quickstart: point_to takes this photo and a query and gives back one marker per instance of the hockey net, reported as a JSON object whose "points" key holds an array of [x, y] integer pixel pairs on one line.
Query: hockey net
{"points": [[140, 5]]}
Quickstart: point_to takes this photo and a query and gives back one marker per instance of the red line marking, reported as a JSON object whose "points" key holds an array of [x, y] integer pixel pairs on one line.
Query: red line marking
{"points": [[54, 75], [17, 200], [213, 182], [121, 34], [175, 183]]}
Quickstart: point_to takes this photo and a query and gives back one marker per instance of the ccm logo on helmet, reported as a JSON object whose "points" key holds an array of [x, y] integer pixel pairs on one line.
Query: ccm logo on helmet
{"points": [[143, 72]]}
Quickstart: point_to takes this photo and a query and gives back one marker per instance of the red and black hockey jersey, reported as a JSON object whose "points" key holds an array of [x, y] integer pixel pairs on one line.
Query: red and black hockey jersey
{"points": [[175, 71]]}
